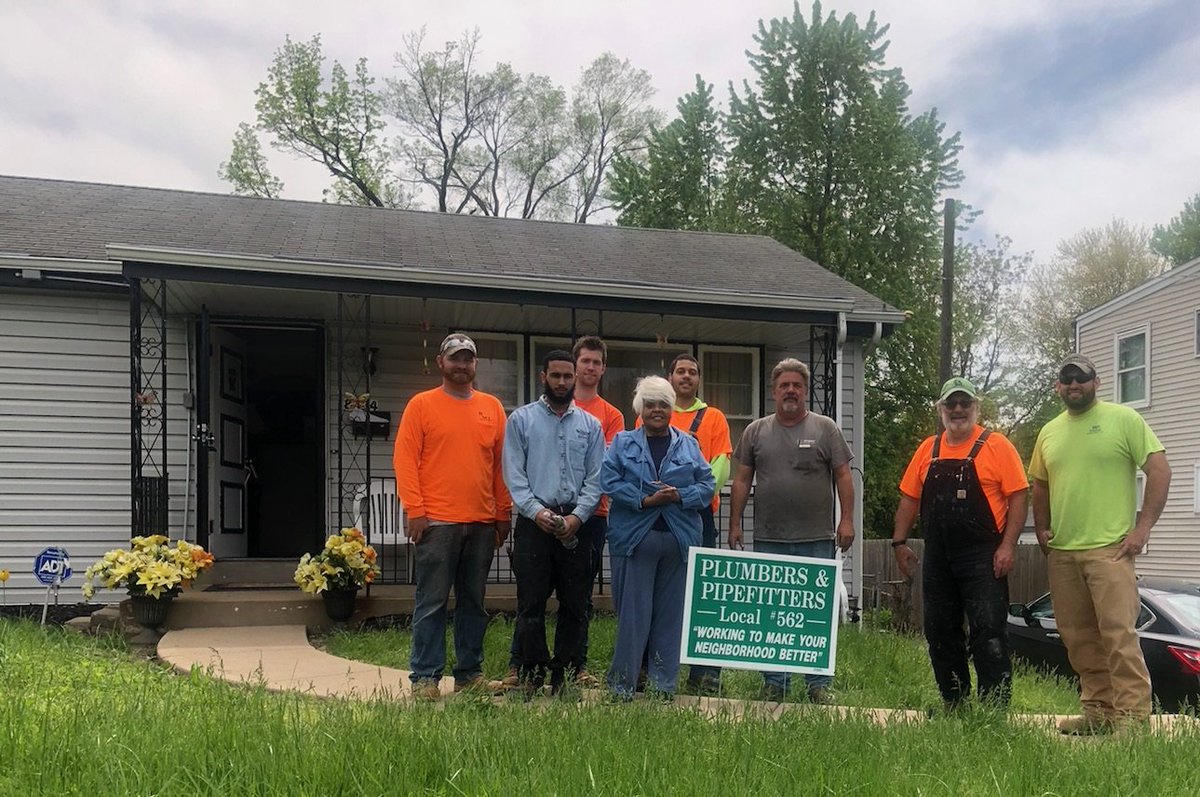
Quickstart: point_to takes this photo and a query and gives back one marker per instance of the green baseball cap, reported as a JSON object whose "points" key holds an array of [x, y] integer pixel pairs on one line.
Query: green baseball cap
{"points": [[958, 385]]}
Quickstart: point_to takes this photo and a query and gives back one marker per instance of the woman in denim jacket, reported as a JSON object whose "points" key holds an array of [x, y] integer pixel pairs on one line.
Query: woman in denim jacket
{"points": [[657, 482]]}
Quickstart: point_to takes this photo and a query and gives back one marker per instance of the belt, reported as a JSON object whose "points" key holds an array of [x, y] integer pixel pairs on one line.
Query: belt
{"points": [[560, 509]]}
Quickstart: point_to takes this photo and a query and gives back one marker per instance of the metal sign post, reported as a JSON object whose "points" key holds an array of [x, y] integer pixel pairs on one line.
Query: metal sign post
{"points": [[51, 567], [758, 611]]}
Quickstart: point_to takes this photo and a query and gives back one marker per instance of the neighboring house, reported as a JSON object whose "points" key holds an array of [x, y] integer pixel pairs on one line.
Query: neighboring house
{"points": [[199, 364], [1146, 346]]}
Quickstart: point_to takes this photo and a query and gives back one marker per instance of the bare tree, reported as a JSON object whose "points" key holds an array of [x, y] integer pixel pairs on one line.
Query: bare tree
{"points": [[438, 99], [613, 117]]}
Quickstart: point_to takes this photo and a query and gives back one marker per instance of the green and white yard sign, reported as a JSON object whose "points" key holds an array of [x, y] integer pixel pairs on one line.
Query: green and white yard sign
{"points": [[759, 611]]}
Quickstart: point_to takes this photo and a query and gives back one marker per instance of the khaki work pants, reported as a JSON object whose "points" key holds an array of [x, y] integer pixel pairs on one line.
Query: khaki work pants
{"points": [[1096, 605]]}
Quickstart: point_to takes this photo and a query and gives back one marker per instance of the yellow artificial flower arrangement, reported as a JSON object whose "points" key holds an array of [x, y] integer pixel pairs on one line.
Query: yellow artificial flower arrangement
{"points": [[151, 566], [346, 562]]}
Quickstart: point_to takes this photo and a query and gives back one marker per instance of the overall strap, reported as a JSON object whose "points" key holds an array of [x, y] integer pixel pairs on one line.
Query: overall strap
{"points": [[695, 427], [979, 443], [937, 446]]}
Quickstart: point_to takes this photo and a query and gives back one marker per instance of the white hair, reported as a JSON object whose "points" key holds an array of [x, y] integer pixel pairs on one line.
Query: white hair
{"points": [[652, 388]]}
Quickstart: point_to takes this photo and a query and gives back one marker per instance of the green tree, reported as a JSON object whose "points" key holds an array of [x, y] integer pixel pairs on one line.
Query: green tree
{"points": [[677, 184], [247, 167], [827, 158], [333, 122], [1179, 241]]}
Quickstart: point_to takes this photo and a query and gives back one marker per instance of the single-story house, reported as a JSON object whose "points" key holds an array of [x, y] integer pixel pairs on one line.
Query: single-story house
{"points": [[1146, 347], [231, 370]]}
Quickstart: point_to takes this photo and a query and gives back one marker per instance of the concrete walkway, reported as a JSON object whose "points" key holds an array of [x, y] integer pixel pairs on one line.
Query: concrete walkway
{"points": [[281, 658]]}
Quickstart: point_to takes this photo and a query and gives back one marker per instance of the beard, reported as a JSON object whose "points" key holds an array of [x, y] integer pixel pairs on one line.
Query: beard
{"points": [[557, 397], [1081, 401]]}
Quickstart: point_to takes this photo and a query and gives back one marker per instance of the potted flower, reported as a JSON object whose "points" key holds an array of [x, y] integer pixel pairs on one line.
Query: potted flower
{"points": [[152, 570], [343, 566]]}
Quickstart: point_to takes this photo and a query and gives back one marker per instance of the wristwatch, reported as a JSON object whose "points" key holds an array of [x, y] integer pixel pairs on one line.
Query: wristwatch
{"points": [[898, 543]]}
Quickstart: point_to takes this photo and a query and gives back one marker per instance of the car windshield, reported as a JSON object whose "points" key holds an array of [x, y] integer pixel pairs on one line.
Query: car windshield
{"points": [[1184, 606]]}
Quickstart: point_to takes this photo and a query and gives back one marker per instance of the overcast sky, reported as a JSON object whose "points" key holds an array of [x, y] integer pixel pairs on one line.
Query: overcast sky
{"points": [[1072, 112]]}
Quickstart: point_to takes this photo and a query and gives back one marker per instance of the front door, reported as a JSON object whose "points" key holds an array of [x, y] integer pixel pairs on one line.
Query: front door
{"points": [[266, 482], [230, 463]]}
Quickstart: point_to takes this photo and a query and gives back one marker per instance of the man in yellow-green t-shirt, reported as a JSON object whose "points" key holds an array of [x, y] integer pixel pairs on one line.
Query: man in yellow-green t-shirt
{"points": [[1085, 515]]}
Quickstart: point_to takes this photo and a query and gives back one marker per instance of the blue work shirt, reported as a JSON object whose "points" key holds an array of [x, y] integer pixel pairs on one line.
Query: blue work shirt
{"points": [[553, 460], [629, 475]]}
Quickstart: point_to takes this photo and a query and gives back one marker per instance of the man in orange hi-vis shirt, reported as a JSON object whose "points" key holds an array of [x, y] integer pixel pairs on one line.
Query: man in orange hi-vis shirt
{"points": [[449, 473]]}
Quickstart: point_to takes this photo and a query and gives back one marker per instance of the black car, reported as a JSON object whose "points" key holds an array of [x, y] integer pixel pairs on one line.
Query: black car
{"points": [[1168, 625]]}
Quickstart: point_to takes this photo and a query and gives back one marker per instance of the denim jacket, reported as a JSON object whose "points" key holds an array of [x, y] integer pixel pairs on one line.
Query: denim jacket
{"points": [[627, 476]]}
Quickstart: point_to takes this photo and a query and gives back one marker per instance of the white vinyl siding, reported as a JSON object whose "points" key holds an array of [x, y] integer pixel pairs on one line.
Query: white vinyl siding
{"points": [[64, 431]]}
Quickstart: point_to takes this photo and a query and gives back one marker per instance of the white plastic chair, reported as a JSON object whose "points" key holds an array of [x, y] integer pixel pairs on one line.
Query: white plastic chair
{"points": [[385, 512]]}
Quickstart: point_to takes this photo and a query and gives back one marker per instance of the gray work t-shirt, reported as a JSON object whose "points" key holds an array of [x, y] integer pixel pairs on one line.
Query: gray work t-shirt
{"points": [[793, 468]]}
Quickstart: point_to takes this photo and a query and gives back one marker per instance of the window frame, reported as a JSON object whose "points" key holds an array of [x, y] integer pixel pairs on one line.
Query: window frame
{"points": [[518, 340], [756, 377], [1118, 338], [1196, 333]]}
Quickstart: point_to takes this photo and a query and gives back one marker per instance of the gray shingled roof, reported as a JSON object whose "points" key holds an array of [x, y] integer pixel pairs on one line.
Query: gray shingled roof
{"points": [[60, 219]]}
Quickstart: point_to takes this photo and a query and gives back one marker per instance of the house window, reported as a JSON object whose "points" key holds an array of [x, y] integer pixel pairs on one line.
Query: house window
{"points": [[1133, 367], [730, 382], [499, 367], [729, 376]]}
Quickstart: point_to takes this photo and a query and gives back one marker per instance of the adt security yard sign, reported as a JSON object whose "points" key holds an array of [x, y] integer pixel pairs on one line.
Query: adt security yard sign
{"points": [[52, 566], [760, 611]]}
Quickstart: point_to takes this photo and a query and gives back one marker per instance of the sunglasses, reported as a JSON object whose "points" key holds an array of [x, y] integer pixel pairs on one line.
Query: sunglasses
{"points": [[1077, 379], [953, 403]]}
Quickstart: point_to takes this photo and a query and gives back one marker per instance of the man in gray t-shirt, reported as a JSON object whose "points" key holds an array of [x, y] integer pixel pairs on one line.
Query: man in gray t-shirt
{"points": [[799, 458]]}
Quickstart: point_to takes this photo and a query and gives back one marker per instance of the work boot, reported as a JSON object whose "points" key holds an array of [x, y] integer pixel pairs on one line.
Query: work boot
{"points": [[427, 689], [821, 695], [509, 682], [1085, 725], [585, 680], [475, 684]]}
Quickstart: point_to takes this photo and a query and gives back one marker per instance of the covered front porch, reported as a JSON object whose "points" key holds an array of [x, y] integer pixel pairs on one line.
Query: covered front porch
{"points": [[283, 392]]}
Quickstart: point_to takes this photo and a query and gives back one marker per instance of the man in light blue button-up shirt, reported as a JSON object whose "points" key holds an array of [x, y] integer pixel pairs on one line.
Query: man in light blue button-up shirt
{"points": [[552, 456]]}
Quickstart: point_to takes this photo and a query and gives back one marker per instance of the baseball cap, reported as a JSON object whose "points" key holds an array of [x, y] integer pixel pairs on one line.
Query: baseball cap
{"points": [[1078, 361], [456, 342], [958, 385]]}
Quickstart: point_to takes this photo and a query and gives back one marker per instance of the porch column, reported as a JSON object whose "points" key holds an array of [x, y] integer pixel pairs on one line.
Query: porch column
{"points": [[148, 406]]}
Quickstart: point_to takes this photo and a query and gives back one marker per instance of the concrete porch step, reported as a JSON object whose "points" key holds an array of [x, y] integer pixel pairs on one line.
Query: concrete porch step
{"points": [[196, 608]]}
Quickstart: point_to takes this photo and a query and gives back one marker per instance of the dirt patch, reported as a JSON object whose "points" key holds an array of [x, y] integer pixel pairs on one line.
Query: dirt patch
{"points": [[55, 614]]}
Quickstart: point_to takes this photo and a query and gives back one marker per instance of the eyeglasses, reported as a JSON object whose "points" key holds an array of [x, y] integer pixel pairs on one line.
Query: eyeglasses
{"points": [[953, 403], [1078, 379]]}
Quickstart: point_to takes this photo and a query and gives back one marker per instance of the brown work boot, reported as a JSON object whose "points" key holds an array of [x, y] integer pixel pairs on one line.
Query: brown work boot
{"points": [[510, 681], [585, 680], [1085, 725], [476, 684], [427, 689]]}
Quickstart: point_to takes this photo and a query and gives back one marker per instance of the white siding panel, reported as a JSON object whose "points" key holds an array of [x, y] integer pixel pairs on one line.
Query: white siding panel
{"points": [[64, 430]]}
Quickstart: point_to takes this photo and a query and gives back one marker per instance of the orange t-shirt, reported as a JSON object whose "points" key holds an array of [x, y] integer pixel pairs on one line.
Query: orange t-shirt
{"points": [[448, 458], [998, 467], [611, 422]]}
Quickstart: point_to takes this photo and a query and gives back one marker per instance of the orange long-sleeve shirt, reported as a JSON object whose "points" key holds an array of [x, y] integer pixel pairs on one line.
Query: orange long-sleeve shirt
{"points": [[448, 458]]}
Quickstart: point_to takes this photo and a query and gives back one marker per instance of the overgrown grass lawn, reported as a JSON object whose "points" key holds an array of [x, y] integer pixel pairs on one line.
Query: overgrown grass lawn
{"points": [[79, 717]]}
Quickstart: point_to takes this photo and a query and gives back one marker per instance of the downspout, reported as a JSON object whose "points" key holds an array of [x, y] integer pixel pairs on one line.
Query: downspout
{"points": [[856, 577]]}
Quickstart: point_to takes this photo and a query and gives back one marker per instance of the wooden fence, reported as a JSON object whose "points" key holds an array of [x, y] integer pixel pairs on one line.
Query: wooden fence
{"points": [[884, 587]]}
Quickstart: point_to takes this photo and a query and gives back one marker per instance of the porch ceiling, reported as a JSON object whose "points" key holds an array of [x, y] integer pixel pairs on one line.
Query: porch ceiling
{"points": [[246, 303]]}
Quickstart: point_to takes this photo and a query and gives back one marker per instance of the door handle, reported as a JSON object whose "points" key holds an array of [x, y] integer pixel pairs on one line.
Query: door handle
{"points": [[251, 473]]}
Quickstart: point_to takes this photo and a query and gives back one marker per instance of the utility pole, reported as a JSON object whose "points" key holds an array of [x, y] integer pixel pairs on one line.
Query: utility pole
{"points": [[947, 292]]}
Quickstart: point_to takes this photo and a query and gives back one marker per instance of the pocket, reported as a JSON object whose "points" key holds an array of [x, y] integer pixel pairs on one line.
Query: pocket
{"points": [[806, 459]]}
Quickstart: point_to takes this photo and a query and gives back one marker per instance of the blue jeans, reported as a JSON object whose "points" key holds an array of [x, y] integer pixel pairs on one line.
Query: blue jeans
{"points": [[648, 587], [458, 555], [817, 549]]}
